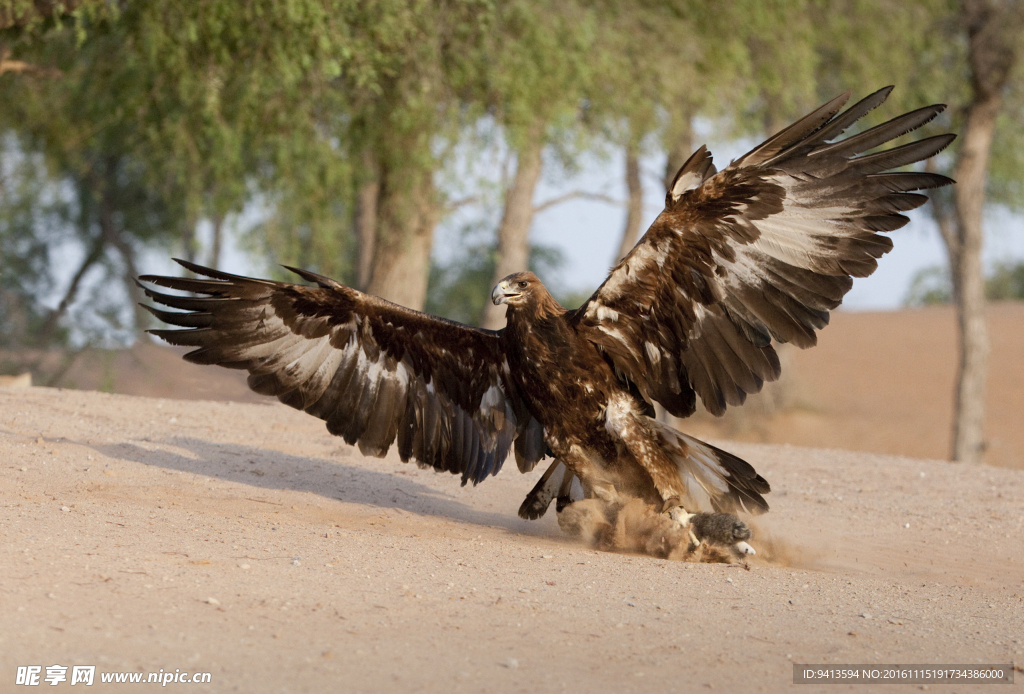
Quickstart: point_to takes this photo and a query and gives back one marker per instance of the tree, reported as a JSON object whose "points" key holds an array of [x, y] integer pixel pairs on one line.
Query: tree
{"points": [[87, 153], [400, 116], [647, 77], [670, 64], [648, 85], [513, 245], [531, 80], [429, 64], [155, 115], [28, 232], [239, 110], [994, 32], [966, 54]]}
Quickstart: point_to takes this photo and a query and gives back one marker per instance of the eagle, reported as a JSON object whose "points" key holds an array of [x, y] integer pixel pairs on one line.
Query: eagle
{"points": [[755, 254]]}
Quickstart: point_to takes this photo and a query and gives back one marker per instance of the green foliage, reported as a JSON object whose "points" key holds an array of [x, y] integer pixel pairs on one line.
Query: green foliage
{"points": [[315, 237], [138, 120], [1006, 170], [459, 289], [866, 44], [164, 113], [1005, 282], [931, 285], [34, 17], [531, 65]]}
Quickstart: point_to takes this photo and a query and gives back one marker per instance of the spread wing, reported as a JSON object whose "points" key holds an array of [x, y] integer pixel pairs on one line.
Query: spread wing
{"points": [[373, 370], [761, 250]]}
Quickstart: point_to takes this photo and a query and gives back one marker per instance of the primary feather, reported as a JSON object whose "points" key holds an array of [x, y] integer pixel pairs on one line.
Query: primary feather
{"points": [[757, 252], [376, 372]]}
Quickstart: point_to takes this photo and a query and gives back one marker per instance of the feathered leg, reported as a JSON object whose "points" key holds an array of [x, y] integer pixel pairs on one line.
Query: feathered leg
{"points": [[537, 501], [702, 477], [557, 482]]}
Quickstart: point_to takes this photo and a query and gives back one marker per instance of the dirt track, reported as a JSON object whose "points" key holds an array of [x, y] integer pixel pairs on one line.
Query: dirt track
{"points": [[242, 540]]}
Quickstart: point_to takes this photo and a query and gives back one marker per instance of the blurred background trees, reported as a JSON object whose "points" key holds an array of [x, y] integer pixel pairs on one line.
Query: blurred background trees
{"points": [[338, 135]]}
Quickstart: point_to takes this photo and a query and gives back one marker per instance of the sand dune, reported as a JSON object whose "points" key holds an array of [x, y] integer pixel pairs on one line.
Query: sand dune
{"points": [[242, 540]]}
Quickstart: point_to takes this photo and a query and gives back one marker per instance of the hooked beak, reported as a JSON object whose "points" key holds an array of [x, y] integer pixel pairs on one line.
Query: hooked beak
{"points": [[502, 293]]}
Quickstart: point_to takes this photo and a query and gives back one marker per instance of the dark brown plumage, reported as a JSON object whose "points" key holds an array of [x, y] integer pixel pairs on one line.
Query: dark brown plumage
{"points": [[374, 371], [756, 253]]}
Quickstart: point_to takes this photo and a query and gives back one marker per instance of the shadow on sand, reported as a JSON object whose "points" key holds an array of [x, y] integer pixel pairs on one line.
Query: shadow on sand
{"points": [[330, 478]]}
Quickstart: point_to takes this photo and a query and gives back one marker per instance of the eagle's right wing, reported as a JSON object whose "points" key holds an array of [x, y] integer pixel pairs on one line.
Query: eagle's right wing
{"points": [[375, 371]]}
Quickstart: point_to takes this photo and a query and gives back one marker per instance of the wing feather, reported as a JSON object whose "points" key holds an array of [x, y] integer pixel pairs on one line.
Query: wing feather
{"points": [[375, 372], [758, 252]]}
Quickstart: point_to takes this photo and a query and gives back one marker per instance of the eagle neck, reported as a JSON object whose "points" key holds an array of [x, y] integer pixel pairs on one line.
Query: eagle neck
{"points": [[526, 325], [540, 310]]}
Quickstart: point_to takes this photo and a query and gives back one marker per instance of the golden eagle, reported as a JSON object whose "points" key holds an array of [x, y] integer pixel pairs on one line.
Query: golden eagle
{"points": [[758, 252]]}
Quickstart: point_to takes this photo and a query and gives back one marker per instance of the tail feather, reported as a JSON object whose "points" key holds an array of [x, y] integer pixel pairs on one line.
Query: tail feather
{"points": [[713, 479]]}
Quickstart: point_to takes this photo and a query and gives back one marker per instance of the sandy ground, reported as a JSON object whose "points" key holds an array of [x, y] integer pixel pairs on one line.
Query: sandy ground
{"points": [[242, 540]]}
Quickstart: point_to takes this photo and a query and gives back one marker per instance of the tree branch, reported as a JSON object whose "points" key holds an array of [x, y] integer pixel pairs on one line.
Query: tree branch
{"points": [[452, 206], [19, 66], [95, 253], [575, 194]]}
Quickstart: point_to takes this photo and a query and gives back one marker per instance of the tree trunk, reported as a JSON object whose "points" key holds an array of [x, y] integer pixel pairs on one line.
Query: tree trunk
{"points": [[680, 147], [215, 246], [514, 230], [993, 46], [635, 204], [366, 220], [111, 234], [407, 213], [969, 283], [188, 240]]}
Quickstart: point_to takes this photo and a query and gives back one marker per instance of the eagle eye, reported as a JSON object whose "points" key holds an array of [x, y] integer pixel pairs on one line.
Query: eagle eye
{"points": [[522, 285]]}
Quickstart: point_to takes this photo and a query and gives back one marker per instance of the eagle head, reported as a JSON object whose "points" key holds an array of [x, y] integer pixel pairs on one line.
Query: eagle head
{"points": [[523, 291], [516, 289]]}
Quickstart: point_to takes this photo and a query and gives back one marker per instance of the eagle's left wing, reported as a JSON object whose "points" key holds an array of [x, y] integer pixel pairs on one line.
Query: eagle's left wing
{"points": [[762, 250], [375, 371]]}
